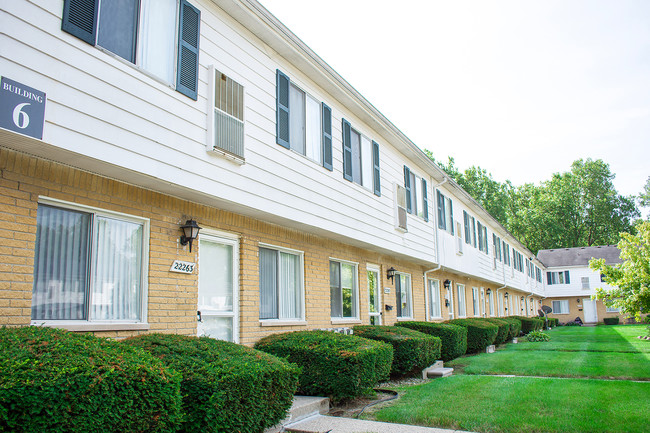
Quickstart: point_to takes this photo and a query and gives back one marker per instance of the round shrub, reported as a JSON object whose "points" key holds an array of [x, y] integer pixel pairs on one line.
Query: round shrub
{"points": [[572, 324], [504, 329], [611, 320], [334, 365], [226, 387], [56, 381], [453, 337], [480, 334], [537, 336], [412, 350]]}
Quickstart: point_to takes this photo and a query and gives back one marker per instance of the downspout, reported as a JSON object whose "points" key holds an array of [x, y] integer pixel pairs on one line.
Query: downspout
{"points": [[435, 236]]}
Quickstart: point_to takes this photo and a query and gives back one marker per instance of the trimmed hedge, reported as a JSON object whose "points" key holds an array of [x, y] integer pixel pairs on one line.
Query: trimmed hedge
{"points": [[515, 326], [553, 322], [57, 381], [453, 337], [226, 387], [335, 365], [611, 320], [504, 329], [480, 334], [412, 350], [530, 324]]}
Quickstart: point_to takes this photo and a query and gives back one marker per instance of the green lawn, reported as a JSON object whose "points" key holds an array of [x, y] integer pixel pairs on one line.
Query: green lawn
{"points": [[524, 405], [476, 400]]}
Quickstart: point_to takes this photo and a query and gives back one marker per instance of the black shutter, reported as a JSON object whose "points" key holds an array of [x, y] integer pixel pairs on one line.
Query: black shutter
{"points": [[80, 19], [327, 137], [567, 280], [375, 169], [188, 50], [425, 200], [549, 281], [407, 187], [347, 150], [282, 109]]}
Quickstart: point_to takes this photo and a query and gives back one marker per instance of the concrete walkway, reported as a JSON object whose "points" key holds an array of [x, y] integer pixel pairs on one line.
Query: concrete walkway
{"points": [[331, 424]]}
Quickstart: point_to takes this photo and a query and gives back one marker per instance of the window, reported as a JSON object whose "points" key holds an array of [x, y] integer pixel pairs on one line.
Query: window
{"points": [[459, 239], [474, 232], [496, 247], [506, 254], [460, 295], [400, 206], [445, 212], [343, 290], [417, 202], [89, 265], [303, 124], [475, 302], [602, 278], [482, 238], [560, 307], [226, 120], [403, 291], [374, 295], [361, 159], [609, 309], [434, 299], [491, 302], [281, 283], [585, 283], [518, 258], [143, 32], [561, 277], [538, 274], [470, 229]]}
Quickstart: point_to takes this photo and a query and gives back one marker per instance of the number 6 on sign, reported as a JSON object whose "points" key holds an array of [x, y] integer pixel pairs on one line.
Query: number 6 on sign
{"points": [[21, 119]]}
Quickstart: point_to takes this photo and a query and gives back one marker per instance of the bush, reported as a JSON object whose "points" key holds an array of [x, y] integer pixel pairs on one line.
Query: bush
{"points": [[480, 334], [537, 336], [530, 324], [611, 320], [226, 387], [56, 381], [453, 337], [335, 365], [572, 324], [647, 319], [553, 322], [515, 326], [412, 350], [504, 329]]}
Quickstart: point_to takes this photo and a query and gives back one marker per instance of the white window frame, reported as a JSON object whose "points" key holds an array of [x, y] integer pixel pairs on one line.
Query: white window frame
{"points": [[459, 239], [491, 305], [609, 309], [434, 296], [355, 295], [301, 269], [462, 304], [212, 115], [409, 295], [564, 304], [584, 281], [476, 302], [106, 325]]}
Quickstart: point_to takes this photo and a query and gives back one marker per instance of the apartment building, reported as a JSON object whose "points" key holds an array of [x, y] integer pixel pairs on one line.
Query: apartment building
{"points": [[160, 121]]}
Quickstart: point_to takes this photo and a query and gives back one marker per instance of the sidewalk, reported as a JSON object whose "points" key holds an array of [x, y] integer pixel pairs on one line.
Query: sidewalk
{"points": [[331, 424]]}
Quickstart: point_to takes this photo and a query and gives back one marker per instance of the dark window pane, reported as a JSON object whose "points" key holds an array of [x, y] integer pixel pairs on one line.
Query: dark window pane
{"points": [[117, 30]]}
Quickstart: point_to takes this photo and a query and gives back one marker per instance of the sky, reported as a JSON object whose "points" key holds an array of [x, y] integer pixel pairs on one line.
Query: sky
{"points": [[519, 88]]}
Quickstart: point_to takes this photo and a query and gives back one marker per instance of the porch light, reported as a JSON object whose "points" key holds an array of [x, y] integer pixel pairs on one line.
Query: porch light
{"points": [[190, 232], [390, 273], [488, 291], [505, 295], [446, 284]]}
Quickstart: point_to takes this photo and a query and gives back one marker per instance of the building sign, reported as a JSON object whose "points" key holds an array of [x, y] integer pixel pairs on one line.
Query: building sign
{"points": [[182, 267], [22, 109]]}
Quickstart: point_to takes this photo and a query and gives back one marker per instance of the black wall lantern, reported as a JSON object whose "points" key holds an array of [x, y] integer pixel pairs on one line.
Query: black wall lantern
{"points": [[505, 295], [522, 299], [390, 273], [488, 291], [388, 307], [446, 284], [190, 232]]}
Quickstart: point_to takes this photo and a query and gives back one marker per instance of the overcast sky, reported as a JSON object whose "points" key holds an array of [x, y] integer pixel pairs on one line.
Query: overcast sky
{"points": [[521, 88]]}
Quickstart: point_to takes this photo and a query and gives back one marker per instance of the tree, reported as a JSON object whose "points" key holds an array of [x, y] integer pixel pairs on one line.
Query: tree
{"points": [[631, 279]]}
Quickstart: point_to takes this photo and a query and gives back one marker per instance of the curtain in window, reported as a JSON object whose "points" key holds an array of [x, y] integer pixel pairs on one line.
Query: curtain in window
{"points": [[118, 21], [117, 266], [403, 289], [268, 284], [157, 42], [297, 119], [434, 294], [460, 294], [366, 160], [313, 133], [355, 143], [335, 290], [290, 305], [348, 290], [61, 264]]}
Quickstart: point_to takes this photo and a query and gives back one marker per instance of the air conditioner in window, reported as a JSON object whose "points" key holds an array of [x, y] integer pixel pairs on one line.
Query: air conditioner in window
{"points": [[400, 205], [226, 118]]}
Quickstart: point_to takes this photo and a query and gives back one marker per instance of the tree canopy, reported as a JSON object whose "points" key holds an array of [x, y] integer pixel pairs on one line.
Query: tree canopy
{"points": [[579, 207], [631, 279]]}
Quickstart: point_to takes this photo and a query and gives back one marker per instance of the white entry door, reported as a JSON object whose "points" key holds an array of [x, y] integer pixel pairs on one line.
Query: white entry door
{"points": [[218, 304], [589, 308]]}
